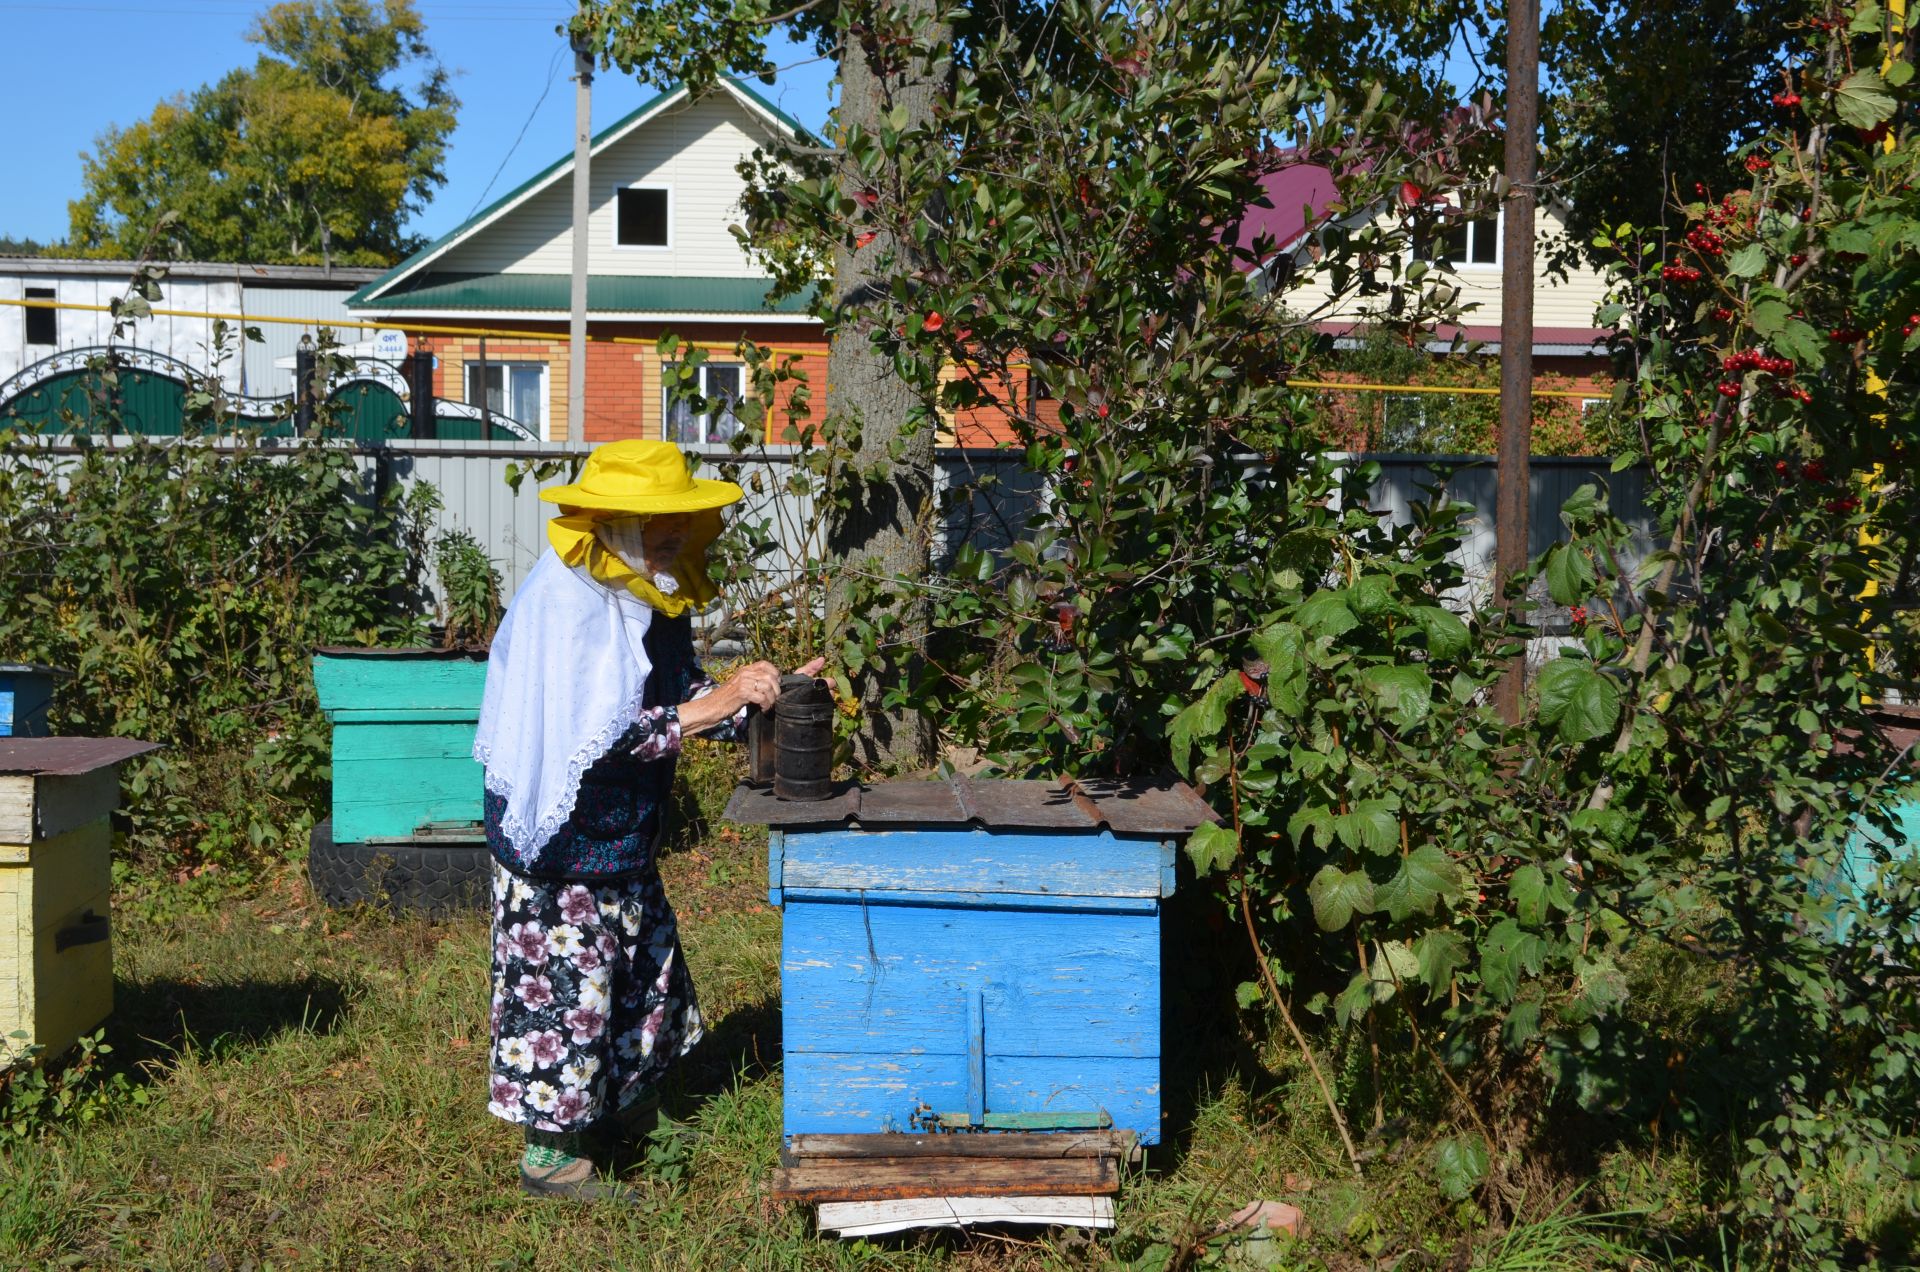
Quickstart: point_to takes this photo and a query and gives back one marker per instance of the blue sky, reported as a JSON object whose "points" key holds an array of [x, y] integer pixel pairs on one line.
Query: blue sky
{"points": [[67, 70]]}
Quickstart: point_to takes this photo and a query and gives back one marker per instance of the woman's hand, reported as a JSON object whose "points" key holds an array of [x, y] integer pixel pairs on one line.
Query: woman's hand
{"points": [[754, 685]]}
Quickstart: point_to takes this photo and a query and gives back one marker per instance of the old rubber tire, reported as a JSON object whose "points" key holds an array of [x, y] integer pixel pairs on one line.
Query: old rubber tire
{"points": [[439, 879]]}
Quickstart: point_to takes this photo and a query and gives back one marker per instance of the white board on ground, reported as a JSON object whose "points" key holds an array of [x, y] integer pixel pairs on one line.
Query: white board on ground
{"points": [[873, 1218]]}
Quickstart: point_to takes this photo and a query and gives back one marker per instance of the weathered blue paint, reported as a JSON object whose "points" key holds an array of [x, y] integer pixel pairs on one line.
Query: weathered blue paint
{"points": [[987, 977], [978, 862], [26, 691], [403, 731]]}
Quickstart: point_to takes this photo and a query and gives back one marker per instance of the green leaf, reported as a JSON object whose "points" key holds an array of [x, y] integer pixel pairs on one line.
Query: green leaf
{"points": [[1570, 576], [1371, 824], [1425, 878], [1212, 848], [1370, 594], [1508, 953], [1446, 634], [1326, 614], [1284, 645], [1202, 719], [1460, 1165], [1311, 817], [1749, 262], [1405, 693], [1577, 698], [1862, 99], [1247, 993], [1441, 952], [1529, 891], [1337, 895]]}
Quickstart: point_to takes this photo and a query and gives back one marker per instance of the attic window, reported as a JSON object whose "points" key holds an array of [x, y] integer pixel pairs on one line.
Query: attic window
{"points": [[43, 325], [642, 217]]}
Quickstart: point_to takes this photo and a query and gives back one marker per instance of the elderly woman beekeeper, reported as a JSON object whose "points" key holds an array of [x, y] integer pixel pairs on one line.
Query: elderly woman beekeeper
{"points": [[591, 685]]}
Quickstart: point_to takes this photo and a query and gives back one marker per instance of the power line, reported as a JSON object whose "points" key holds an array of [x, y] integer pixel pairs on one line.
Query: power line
{"points": [[553, 69]]}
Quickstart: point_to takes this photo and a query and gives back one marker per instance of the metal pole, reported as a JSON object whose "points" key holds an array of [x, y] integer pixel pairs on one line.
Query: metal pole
{"points": [[425, 420], [1516, 323], [577, 305], [303, 386]]}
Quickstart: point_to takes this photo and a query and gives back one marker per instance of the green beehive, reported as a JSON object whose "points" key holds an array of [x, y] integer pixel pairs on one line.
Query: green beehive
{"points": [[403, 728]]}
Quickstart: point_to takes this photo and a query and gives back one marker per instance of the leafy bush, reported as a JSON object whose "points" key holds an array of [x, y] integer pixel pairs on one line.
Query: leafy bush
{"points": [[183, 584]]}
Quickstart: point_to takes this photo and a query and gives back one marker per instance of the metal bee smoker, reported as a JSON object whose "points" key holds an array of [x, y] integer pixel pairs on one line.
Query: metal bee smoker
{"points": [[791, 747]]}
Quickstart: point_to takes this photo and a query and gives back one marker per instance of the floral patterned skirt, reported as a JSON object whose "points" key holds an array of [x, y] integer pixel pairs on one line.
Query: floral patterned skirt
{"points": [[592, 999]]}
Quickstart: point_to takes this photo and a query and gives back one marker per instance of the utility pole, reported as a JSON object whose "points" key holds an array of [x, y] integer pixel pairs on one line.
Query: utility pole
{"points": [[577, 304], [1516, 324]]}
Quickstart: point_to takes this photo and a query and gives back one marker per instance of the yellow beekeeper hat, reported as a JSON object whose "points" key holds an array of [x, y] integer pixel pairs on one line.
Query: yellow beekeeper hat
{"points": [[642, 477]]}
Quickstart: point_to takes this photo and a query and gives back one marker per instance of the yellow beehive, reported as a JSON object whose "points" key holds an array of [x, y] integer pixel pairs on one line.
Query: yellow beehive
{"points": [[57, 796]]}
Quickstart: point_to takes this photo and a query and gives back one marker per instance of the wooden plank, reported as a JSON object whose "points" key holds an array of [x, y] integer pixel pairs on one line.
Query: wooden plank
{"points": [[388, 779], [407, 681], [974, 900], [877, 1218], [882, 1178], [973, 861], [64, 803], [841, 1093], [982, 1120], [16, 815], [1058, 1145], [891, 979]]}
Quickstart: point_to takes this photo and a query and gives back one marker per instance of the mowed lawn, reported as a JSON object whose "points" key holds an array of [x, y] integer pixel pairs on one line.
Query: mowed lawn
{"points": [[315, 1098]]}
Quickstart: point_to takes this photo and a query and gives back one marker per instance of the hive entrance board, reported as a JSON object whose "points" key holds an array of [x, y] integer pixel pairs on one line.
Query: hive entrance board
{"points": [[830, 1169]]}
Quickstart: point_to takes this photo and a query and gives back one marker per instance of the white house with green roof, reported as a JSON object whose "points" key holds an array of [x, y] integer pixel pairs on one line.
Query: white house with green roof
{"points": [[665, 188]]}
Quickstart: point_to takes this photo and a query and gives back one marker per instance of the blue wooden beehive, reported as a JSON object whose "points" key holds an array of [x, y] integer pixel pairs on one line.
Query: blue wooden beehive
{"points": [[973, 955], [26, 691]]}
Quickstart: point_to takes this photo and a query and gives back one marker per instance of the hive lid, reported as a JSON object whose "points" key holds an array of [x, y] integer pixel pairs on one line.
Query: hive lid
{"points": [[67, 757], [1163, 807]]}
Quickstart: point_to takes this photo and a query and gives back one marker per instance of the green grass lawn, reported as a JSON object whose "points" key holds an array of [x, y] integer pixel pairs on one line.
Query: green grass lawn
{"points": [[315, 1087]]}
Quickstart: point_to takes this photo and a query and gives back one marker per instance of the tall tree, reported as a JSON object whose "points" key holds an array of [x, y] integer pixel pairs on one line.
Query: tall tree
{"points": [[317, 153], [895, 61], [1648, 97]]}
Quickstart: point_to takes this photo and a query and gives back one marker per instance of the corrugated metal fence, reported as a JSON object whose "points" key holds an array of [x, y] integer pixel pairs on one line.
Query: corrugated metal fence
{"points": [[989, 495]]}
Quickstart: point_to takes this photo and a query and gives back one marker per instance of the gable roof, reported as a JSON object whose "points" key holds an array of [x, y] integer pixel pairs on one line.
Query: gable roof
{"points": [[373, 293]]}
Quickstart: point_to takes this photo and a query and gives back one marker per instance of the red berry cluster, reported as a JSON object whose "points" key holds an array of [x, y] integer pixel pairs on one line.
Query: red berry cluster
{"points": [[1721, 313], [1706, 242], [1781, 389], [1911, 325], [1813, 470], [1797, 259], [1756, 360], [1680, 273], [1845, 505], [1874, 135], [1578, 613], [1727, 213], [1846, 335], [1758, 163], [1786, 101]]}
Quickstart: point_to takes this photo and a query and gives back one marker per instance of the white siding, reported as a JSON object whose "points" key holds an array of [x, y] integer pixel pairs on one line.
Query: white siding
{"points": [[188, 339], [1568, 302], [692, 149], [281, 339]]}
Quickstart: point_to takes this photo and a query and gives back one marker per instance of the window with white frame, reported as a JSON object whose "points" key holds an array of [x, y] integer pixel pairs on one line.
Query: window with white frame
{"points": [[517, 390], [643, 216], [1403, 420], [1464, 242], [720, 383], [1589, 405]]}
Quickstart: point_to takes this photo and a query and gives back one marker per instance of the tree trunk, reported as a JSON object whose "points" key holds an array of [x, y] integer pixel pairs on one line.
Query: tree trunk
{"points": [[880, 528]]}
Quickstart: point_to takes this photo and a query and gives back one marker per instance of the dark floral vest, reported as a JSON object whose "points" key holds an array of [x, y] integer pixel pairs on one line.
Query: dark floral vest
{"points": [[622, 802]]}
